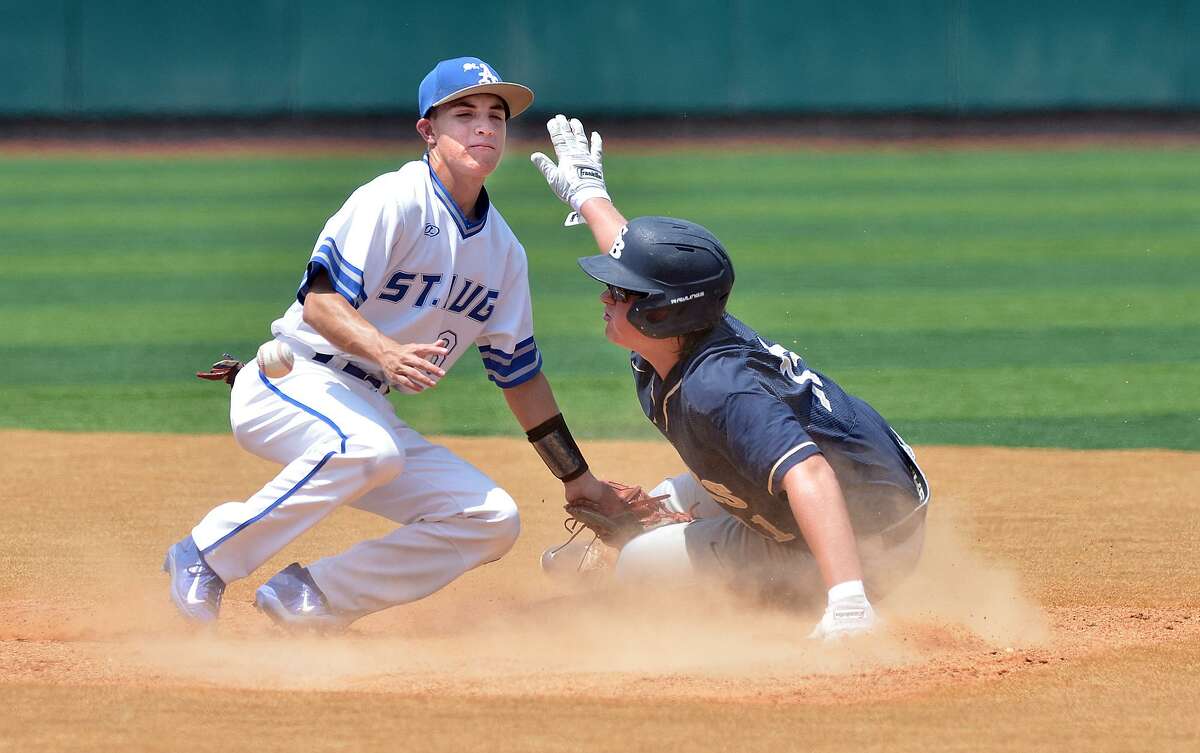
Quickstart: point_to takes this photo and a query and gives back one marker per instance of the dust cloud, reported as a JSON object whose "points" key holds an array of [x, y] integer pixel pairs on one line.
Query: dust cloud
{"points": [[695, 641], [956, 587]]}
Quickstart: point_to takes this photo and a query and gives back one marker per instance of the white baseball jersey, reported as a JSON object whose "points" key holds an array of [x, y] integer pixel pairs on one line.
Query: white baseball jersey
{"points": [[402, 253], [407, 259]]}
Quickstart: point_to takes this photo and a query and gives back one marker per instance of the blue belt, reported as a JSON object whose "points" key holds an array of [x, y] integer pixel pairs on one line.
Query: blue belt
{"points": [[352, 370]]}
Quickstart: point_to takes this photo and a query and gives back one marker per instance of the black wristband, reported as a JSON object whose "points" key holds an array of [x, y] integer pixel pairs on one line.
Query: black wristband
{"points": [[553, 441]]}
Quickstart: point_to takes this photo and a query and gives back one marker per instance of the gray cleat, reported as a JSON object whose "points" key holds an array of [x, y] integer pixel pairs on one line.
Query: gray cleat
{"points": [[293, 601], [195, 589]]}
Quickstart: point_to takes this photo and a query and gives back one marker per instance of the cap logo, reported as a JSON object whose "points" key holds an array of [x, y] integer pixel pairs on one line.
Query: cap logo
{"points": [[486, 75], [618, 245]]}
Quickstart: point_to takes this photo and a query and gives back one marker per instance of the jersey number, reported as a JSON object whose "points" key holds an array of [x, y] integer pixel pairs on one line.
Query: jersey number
{"points": [[771, 530], [726, 497], [449, 340]]}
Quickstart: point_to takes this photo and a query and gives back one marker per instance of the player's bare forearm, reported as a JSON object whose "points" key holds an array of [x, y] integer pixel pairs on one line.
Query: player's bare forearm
{"points": [[817, 503], [332, 316], [604, 219], [335, 319], [532, 402]]}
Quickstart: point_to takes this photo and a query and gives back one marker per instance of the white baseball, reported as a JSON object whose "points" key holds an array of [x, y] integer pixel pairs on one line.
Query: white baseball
{"points": [[574, 560], [275, 359]]}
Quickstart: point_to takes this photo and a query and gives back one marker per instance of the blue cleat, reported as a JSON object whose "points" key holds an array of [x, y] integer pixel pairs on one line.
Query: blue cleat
{"points": [[195, 589], [293, 601]]}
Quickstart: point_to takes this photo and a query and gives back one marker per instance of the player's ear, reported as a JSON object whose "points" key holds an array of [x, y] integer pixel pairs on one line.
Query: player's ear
{"points": [[425, 128]]}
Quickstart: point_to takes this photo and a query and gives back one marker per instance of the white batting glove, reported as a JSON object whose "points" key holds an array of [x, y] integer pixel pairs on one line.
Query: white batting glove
{"points": [[846, 617], [579, 174]]}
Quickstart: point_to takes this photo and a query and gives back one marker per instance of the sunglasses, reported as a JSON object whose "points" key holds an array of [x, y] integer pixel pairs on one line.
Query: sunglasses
{"points": [[621, 295]]}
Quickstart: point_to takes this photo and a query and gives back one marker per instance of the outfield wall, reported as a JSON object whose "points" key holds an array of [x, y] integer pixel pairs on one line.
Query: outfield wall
{"points": [[71, 58]]}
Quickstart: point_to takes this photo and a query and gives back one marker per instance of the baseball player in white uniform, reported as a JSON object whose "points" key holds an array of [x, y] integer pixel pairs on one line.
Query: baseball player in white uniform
{"points": [[413, 270]]}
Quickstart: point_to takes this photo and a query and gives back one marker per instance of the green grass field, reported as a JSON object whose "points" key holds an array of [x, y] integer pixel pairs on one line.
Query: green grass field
{"points": [[974, 297]]}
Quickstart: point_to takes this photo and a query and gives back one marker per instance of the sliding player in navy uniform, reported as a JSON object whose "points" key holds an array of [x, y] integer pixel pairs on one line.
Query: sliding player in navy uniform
{"points": [[796, 486]]}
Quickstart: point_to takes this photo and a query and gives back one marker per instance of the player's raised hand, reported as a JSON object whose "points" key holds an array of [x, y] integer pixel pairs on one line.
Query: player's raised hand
{"points": [[579, 174], [410, 367]]}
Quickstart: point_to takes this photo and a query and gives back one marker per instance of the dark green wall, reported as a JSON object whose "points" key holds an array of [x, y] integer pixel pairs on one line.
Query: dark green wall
{"points": [[221, 57]]}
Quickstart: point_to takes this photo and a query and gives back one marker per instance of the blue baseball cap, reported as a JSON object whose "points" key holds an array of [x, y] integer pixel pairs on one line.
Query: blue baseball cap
{"points": [[462, 77]]}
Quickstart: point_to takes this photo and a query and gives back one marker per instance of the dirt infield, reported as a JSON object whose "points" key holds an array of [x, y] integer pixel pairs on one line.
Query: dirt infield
{"points": [[1057, 607]]}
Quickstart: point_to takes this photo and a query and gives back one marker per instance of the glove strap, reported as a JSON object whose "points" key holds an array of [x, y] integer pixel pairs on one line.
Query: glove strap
{"points": [[553, 441]]}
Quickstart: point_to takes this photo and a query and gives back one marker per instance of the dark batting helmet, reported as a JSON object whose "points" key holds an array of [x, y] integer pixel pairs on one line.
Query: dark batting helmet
{"points": [[680, 268]]}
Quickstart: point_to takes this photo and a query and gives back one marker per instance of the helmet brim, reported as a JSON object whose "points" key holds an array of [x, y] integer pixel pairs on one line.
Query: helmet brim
{"points": [[609, 271]]}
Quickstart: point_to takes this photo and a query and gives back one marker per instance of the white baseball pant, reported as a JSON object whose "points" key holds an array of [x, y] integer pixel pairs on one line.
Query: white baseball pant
{"points": [[340, 442], [718, 546]]}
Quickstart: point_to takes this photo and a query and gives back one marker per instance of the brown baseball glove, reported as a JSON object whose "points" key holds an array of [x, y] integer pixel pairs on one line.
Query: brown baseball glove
{"points": [[225, 370], [623, 512]]}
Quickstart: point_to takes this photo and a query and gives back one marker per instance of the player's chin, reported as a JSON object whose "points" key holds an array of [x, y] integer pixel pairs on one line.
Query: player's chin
{"points": [[482, 160], [613, 333]]}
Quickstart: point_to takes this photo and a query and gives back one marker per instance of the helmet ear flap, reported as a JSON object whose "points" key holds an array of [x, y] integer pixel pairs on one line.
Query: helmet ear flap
{"points": [[675, 320], [658, 316], [646, 320]]}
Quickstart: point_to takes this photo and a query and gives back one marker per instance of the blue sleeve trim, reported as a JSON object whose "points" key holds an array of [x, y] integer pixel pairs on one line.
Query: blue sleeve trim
{"points": [[485, 350], [355, 296], [507, 373], [510, 369], [505, 365], [341, 260], [519, 377], [512, 363], [348, 275], [346, 278], [350, 288]]}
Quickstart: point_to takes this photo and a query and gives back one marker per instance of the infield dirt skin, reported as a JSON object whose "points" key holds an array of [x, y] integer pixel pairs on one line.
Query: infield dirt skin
{"points": [[1057, 607]]}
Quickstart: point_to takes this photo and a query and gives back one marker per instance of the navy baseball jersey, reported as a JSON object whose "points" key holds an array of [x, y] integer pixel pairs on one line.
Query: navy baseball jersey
{"points": [[742, 411]]}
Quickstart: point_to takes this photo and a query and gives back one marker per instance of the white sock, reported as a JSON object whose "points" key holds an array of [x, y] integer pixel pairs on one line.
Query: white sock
{"points": [[846, 589]]}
